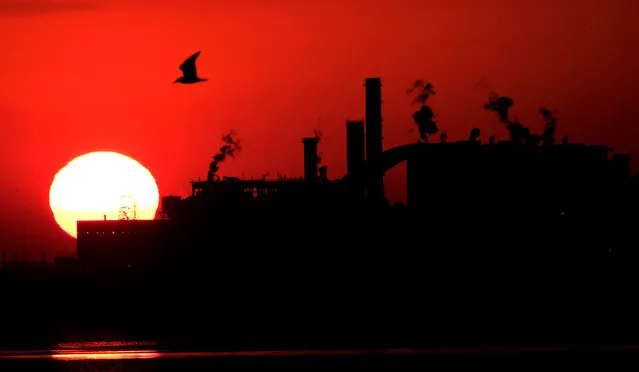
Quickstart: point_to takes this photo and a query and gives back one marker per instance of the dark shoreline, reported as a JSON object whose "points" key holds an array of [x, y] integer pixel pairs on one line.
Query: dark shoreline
{"points": [[442, 301]]}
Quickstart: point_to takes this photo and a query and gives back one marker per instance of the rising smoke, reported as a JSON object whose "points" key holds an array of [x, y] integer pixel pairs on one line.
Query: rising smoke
{"points": [[229, 149], [425, 117], [424, 90], [548, 136], [501, 105], [474, 135], [318, 136]]}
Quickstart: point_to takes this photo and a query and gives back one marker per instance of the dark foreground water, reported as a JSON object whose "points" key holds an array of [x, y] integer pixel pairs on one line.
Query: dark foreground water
{"points": [[118, 357]]}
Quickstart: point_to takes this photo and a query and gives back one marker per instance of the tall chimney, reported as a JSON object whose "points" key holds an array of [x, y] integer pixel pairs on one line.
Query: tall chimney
{"points": [[374, 136], [310, 158], [355, 146]]}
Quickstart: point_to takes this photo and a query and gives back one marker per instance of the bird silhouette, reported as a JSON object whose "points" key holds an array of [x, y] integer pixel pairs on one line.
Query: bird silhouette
{"points": [[189, 71]]}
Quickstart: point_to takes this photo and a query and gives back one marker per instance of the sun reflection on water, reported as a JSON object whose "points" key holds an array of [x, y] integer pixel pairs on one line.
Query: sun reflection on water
{"points": [[103, 355]]}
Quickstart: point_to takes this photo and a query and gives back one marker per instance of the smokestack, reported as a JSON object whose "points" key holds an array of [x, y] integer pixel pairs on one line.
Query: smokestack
{"points": [[374, 146], [310, 158], [355, 146], [323, 173]]}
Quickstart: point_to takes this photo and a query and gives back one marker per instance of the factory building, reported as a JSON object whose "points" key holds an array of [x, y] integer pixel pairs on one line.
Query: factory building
{"points": [[124, 243], [450, 185]]}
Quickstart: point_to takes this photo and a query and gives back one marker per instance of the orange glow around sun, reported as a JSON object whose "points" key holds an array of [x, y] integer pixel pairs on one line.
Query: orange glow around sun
{"points": [[99, 183]]}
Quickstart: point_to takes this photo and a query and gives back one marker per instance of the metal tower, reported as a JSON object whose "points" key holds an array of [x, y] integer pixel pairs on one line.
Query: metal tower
{"points": [[128, 208]]}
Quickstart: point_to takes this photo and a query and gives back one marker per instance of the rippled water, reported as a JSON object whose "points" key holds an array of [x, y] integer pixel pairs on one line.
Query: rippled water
{"points": [[138, 356]]}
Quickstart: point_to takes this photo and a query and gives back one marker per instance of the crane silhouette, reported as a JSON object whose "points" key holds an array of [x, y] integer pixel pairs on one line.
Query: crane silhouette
{"points": [[189, 71]]}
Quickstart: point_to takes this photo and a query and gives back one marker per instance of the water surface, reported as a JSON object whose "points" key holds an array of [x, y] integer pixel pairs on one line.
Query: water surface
{"points": [[141, 356]]}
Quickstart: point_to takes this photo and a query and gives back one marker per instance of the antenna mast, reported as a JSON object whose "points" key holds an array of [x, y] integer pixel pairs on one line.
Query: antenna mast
{"points": [[128, 208]]}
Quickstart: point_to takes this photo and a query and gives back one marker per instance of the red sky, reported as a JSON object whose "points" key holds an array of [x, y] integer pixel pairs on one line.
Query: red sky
{"points": [[86, 76]]}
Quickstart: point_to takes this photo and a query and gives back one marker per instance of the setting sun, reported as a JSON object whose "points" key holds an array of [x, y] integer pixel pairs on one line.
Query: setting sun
{"points": [[98, 184]]}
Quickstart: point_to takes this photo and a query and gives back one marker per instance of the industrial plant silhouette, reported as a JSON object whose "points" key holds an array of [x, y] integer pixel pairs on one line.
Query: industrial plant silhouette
{"points": [[500, 242]]}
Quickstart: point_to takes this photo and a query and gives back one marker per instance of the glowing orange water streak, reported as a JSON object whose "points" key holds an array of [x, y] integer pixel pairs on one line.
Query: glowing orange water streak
{"points": [[152, 354], [105, 355]]}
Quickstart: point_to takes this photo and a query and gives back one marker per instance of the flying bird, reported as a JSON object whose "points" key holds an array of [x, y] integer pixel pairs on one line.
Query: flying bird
{"points": [[189, 71]]}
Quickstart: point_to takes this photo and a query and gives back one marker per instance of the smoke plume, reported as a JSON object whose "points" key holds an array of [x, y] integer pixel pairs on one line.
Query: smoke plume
{"points": [[229, 149], [418, 83], [548, 137], [501, 105], [424, 91], [318, 136], [474, 134], [425, 117]]}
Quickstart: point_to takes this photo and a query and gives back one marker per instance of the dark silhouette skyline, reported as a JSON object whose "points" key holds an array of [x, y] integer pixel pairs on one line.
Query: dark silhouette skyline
{"points": [[264, 88], [502, 229], [514, 228]]}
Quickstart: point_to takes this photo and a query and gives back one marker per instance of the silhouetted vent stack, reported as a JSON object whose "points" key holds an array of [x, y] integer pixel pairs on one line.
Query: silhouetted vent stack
{"points": [[355, 152], [323, 173], [310, 158], [355, 148], [374, 136]]}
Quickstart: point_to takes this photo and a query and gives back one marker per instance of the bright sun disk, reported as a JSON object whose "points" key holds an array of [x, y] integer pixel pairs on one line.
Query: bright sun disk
{"points": [[97, 184]]}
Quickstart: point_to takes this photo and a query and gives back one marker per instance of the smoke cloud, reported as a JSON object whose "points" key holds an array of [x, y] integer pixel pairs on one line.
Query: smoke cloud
{"points": [[318, 136], [424, 90], [548, 137], [501, 105], [418, 83], [474, 134], [229, 149], [425, 117]]}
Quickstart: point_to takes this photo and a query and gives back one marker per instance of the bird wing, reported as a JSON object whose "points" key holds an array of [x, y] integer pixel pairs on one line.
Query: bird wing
{"points": [[188, 66]]}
